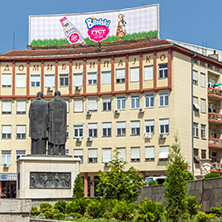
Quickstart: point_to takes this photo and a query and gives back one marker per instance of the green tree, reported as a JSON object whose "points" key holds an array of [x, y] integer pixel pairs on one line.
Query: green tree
{"points": [[78, 190], [176, 184], [119, 184]]}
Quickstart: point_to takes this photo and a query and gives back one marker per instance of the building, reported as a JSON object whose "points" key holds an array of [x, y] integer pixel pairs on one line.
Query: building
{"points": [[132, 96]]}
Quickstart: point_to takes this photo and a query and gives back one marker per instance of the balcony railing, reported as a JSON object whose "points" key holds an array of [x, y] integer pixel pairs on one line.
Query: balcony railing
{"points": [[213, 142], [216, 167], [215, 118], [215, 93]]}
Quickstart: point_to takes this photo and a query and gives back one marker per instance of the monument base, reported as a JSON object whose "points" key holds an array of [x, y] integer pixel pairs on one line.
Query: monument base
{"points": [[46, 176]]}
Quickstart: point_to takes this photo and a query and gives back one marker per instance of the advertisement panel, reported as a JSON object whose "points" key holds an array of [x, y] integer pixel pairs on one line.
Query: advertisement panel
{"points": [[94, 27]]}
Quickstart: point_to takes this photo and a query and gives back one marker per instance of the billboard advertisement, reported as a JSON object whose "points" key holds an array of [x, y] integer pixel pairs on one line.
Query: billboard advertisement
{"points": [[94, 27]]}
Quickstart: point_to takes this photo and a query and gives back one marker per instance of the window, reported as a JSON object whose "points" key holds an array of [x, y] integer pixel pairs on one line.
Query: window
{"points": [[20, 80], [121, 128], [6, 157], [135, 154], [164, 153], [121, 102], [20, 153], [217, 69], [203, 105], [20, 132], [195, 78], [122, 153], [107, 155], [67, 104], [120, 75], [203, 154], [106, 77], [149, 100], [196, 107], [35, 80], [6, 132], [202, 63], [210, 66], [214, 157], [79, 154], [203, 131], [92, 104], [149, 153], [106, 103], [78, 79], [92, 78], [196, 152], [6, 80], [148, 73], [214, 133], [135, 128], [135, 74], [149, 126], [21, 107], [92, 127], [78, 130], [78, 105], [6, 107], [164, 99], [106, 129], [195, 129], [164, 125], [135, 102], [92, 155], [163, 71], [49, 80], [202, 80], [64, 79], [67, 131]]}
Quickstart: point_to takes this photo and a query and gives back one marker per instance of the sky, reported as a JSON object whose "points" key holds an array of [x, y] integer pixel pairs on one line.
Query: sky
{"points": [[191, 21]]}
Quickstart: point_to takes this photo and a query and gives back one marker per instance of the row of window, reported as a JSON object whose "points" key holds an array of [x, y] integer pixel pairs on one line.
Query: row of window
{"points": [[35, 79], [93, 129], [202, 106], [202, 79], [208, 65], [92, 103]]}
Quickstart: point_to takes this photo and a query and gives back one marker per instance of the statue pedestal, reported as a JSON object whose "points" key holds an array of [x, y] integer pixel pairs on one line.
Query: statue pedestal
{"points": [[40, 176]]}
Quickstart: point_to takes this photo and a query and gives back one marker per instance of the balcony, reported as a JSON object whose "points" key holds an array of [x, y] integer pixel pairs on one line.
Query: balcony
{"points": [[215, 118], [214, 94], [216, 167], [216, 143]]}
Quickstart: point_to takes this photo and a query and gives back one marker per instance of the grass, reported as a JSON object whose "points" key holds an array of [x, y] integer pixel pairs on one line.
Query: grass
{"points": [[111, 38]]}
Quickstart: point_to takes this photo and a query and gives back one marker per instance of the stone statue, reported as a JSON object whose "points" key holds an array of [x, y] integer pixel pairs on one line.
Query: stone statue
{"points": [[38, 125], [57, 125]]}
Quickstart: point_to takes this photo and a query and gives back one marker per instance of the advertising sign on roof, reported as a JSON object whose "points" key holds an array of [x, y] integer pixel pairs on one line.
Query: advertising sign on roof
{"points": [[94, 27]]}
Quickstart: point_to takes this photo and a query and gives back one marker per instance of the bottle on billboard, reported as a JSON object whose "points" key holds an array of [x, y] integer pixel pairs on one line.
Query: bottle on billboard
{"points": [[72, 34]]}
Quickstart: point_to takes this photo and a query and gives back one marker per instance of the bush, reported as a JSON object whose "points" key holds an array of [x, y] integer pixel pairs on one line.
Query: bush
{"points": [[78, 189], [212, 175], [61, 206], [188, 176], [149, 210], [217, 210], [152, 182], [77, 206], [97, 207], [35, 211], [123, 210], [192, 206], [44, 207], [203, 217]]}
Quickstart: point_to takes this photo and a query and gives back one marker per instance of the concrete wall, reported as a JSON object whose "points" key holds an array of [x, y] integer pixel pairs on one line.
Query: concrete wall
{"points": [[207, 191]]}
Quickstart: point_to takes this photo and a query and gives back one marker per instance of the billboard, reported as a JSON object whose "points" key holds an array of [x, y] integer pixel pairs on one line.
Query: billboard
{"points": [[94, 26]]}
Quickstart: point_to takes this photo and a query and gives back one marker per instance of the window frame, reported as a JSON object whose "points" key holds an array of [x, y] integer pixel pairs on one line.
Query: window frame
{"points": [[163, 71], [195, 130], [164, 96], [21, 136], [120, 102], [90, 80], [64, 77], [149, 99], [79, 129], [135, 101], [120, 131], [107, 131], [134, 131], [164, 128]]}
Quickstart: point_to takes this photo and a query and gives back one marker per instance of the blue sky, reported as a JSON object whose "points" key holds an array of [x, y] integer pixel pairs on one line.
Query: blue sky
{"points": [[191, 21]]}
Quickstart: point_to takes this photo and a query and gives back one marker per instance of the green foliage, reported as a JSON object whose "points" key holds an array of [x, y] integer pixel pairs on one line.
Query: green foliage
{"points": [[149, 210], [77, 206], [203, 217], [53, 214], [212, 174], [78, 190], [75, 215], [188, 176], [152, 182], [119, 184], [97, 207], [35, 211], [44, 207], [217, 210], [192, 206], [176, 185], [61, 206], [124, 210]]}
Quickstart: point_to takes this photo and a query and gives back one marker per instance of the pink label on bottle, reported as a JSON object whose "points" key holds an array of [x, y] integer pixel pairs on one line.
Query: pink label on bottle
{"points": [[98, 33], [74, 38]]}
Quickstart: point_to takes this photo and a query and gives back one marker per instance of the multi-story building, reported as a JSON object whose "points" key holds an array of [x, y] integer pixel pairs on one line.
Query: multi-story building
{"points": [[132, 96]]}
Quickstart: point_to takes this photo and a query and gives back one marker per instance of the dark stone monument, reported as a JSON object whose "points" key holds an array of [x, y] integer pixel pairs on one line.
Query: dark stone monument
{"points": [[57, 125], [38, 125]]}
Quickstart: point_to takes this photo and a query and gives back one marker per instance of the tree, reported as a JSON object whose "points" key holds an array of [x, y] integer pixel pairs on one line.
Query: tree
{"points": [[176, 184], [119, 184], [78, 190]]}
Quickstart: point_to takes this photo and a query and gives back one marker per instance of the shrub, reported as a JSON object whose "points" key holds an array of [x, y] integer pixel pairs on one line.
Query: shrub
{"points": [[97, 207], [123, 210], [44, 207], [145, 217], [78, 189], [35, 211], [152, 182], [212, 175], [217, 210], [192, 206], [75, 215], [203, 217], [49, 214], [77, 206], [188, 176], [61, 206]]}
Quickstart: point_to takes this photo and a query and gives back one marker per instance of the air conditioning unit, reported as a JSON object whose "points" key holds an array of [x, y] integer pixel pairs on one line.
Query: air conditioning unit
{"points": [[78, 139], [141, 110], [50, 88], [89, 139], [147, 135], [106, 164], [116, 111], [77, 88], [162, 135], [5, 165], [89, 113]]}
